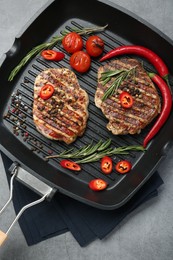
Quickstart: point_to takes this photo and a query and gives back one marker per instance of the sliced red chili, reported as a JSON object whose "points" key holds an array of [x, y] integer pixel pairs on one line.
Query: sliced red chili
{"points": [[70, 165], [123, 166], [98, 184], [106, 165], [126, 100], [52, 55], [46, 91]]}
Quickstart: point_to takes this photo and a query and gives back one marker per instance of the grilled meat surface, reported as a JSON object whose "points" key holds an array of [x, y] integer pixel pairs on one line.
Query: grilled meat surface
{"points": [[64, 115], [146, 101]]}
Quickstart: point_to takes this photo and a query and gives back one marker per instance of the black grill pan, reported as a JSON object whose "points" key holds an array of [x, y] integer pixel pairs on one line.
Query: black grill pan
{"points": [[19, 139]]}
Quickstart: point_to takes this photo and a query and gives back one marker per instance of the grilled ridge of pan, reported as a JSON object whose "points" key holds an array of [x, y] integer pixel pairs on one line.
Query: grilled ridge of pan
{"points": [[20, 126]]}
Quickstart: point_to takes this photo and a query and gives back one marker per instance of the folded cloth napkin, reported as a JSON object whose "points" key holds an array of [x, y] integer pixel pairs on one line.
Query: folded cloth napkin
{"points": [[64, 214]]}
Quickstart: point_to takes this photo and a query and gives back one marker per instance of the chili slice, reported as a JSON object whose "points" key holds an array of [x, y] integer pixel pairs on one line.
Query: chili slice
{"points": [[151, 56], [97, 184], [52, 55], [166, 106], [126, 100], [123, 166], [46, 91], [106, 165], [70, 165]]}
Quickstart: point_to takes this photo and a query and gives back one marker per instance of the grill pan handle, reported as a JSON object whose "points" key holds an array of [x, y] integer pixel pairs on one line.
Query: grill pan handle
{"points": [[44, 190]]}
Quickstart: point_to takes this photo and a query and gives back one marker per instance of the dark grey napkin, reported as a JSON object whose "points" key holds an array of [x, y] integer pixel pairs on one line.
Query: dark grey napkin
{"points": [[64, 214]]}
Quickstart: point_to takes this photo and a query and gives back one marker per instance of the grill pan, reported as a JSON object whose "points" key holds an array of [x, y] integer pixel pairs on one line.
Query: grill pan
{"points": [[19, 139]]}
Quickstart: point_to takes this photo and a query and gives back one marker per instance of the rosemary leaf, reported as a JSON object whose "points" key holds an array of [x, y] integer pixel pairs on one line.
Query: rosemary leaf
{"points": [[113, 88], [91, 158], [110, 73], [120, 76], [104, 145], [55, 39]]}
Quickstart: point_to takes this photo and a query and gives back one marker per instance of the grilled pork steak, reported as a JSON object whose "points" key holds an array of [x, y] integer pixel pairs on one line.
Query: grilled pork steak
{"points": [[64, 115], [146, 101]]}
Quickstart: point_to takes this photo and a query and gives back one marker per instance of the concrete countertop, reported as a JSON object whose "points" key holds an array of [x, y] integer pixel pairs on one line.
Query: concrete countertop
{"points": [[147, 233]]}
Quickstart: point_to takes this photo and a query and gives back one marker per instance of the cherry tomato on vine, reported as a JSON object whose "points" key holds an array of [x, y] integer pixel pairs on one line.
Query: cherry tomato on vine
{"points": [[52, 55], [80, 61], [70, 165], [46, 91], [123, 166], [94, 46], [72, 42], [126, 100], [106, 165], [97, 184]]}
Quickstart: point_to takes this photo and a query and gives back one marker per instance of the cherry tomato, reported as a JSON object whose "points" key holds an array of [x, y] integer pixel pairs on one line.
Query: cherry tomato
{"points": [[46, 91], [80, 61], [126, 100], [70, 165], [97, 184], [123, 166], [94, 46], [106, 165], [52, 55], [72, 42]]}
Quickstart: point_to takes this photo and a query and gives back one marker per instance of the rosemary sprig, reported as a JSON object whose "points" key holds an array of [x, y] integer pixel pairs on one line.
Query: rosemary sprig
{"points": [[120, 76], [37, 49], [83, 151], [110, 152], [94, 152]]}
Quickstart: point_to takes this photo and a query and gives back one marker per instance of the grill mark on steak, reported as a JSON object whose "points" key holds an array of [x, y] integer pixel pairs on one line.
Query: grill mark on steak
{"points": [[144, 109], [63, 116]]}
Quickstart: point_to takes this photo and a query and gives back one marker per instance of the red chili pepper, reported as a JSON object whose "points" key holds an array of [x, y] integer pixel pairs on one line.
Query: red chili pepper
{"points": [[52, 55], [106, 165], [123, 166], [126, 100], [151, 56], [97, 184], [70, 165], [166, 107], [46, 91]]}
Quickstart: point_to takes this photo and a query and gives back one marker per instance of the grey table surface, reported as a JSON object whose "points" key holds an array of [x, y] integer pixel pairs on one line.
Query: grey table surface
{"points": [[147, 233]]}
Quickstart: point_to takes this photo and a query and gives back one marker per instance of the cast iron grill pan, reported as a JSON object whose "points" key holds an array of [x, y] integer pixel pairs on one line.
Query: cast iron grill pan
{"points": [[23, 143]]}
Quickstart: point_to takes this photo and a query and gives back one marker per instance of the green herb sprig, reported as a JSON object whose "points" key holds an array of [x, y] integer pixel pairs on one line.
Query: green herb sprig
{"points": [[33, 52], [120, 76], [94, 152]]}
